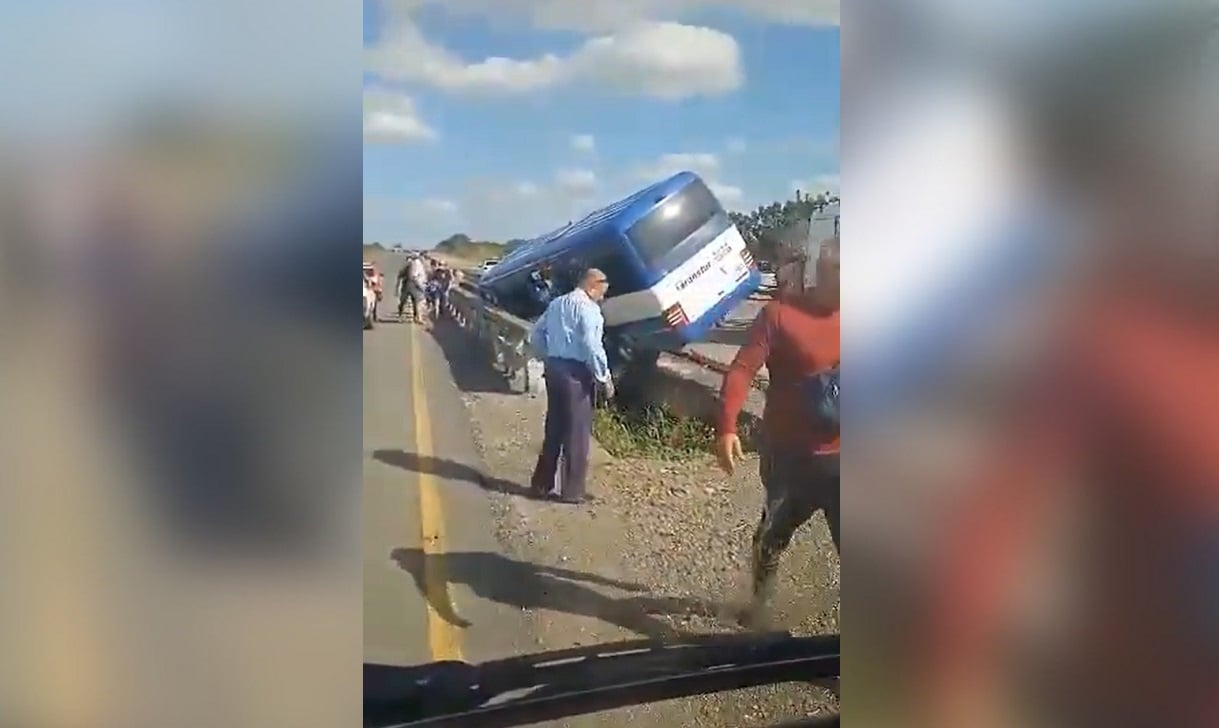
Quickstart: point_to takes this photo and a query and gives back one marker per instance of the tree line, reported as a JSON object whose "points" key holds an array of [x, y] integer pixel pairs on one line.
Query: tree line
{"points": [[770, 229]]}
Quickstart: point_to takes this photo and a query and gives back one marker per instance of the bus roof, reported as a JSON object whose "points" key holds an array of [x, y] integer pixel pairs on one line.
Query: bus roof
{"points": [[620, 214]]}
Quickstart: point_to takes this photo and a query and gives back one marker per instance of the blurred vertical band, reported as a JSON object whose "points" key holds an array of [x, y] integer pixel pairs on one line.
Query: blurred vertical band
{"points": [[181, 196], [1030, 282]]}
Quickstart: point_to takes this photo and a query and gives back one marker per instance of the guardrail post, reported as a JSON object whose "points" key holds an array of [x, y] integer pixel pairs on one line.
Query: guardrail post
{"points": [[533, 369], [516, 361], [497, 349]]}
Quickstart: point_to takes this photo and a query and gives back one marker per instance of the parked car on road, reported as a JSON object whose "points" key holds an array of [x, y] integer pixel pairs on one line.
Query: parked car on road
{"points": [[375, 278], [370, 304]]}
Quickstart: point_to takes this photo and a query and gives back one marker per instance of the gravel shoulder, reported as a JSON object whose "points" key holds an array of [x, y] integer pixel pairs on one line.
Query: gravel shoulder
{"points": [[663, 552]]}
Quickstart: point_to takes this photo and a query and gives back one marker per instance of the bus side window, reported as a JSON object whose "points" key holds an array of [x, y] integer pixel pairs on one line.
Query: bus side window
{"points": [[564, 276]]}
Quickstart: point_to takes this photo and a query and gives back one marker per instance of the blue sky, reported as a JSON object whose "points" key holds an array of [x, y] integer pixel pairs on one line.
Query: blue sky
{"points": [[506, 118]]}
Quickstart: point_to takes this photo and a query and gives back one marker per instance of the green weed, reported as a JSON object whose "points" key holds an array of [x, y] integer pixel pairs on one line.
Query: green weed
{"points": [[653, 431]]}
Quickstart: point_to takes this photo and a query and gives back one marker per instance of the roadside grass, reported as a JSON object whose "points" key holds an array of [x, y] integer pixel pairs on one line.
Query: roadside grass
{"points": [[652, 431]]}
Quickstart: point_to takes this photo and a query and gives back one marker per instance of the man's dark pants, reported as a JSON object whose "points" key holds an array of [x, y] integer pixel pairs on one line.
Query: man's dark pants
{"points": [[569, 428], [413, 295], [797, 485]]}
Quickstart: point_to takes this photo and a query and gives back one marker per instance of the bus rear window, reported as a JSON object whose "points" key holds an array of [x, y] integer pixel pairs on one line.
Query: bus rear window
{"points": [[673, 222]]}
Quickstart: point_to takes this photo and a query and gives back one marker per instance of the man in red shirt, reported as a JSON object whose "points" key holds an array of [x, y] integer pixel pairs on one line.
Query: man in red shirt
{"points": [[796, 337]]}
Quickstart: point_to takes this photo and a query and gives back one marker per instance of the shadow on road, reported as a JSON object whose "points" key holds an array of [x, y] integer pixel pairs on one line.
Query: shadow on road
{"points": [[532, 586], [471, 371], [449, 470]]}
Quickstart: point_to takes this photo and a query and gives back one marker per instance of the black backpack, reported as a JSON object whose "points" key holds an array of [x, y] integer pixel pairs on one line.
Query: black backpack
{"points": [[821, 397]]}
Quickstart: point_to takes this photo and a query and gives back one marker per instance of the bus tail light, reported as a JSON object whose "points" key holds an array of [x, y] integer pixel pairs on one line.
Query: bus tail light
{"points": [[675, 316]]}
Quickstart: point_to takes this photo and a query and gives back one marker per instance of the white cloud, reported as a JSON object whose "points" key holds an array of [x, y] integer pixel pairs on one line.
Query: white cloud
{"points": [[728, 195], [605, 15], [438, 206], [391, 118], [660, 59], [576, 180], [736, 145], [525, 189], [704, 164], [664, 60], [823, 183], [583, 142], [403, 54]]}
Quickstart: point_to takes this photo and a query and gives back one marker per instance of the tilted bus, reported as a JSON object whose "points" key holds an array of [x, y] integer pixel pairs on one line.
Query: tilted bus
{"points": [[675, 262]]}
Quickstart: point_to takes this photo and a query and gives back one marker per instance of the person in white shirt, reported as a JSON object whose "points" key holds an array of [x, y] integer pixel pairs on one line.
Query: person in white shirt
{"points": [[568, 338], [412, 286]]}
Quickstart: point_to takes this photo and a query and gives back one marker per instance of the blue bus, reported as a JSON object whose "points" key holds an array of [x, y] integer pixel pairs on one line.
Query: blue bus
{"points": [[675, 262]]}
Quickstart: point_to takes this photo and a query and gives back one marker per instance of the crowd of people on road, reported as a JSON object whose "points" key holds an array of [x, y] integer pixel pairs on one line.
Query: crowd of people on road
{"points": [[425, 283]]}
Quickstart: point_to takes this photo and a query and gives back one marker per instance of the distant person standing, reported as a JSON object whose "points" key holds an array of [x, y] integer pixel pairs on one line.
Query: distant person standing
{"points": [[400, 284], [797, 338], [412, 288], [567, 338], [438, 290]]}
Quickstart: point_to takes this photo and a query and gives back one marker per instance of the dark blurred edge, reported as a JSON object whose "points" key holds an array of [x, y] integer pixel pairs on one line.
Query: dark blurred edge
{"points": [[590, 680]]}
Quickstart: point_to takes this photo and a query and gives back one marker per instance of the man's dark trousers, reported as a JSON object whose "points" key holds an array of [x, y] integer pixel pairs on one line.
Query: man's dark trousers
{"points": [[569, 428], [797, 485]]}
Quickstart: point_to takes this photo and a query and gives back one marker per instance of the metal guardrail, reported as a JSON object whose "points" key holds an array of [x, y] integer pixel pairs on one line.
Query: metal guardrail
{"points": [[504, 336]]}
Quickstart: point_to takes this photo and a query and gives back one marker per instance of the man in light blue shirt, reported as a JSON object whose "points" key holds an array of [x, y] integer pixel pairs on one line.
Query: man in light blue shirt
{"points": [[567, 338]]}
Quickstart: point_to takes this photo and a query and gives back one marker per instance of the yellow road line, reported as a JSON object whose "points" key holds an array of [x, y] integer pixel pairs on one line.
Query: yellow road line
{"points": [[443, 638]]}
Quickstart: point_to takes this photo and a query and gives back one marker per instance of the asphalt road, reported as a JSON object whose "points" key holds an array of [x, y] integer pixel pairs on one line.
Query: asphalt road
{"points": [[428, 526]]}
